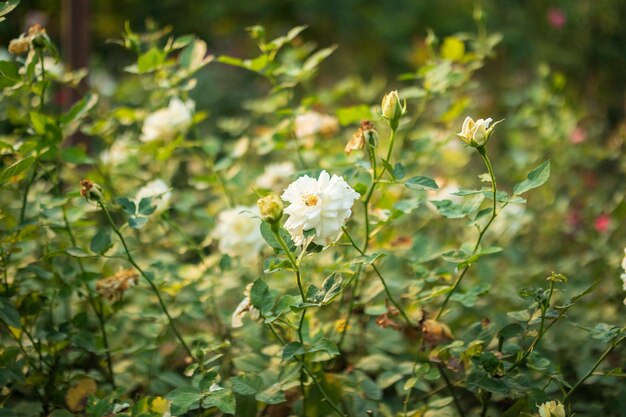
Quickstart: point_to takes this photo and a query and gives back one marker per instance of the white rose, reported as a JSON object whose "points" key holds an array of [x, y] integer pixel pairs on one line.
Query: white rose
{"points": [[312, 123], [238, 232], [552, 409], [167, 122], [160, 193], [323, 204], [275, 174], [116, 154]]}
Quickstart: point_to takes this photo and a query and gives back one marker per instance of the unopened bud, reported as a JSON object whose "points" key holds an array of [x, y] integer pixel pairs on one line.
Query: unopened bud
{"points": [[552, 409], [476, 133], [271, 208], [392, 109], [90, 190]]}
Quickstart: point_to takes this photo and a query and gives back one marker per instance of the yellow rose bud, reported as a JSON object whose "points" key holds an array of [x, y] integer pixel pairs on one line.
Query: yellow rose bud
{"points": [[476, 133], [392, 109], [552, 409], [271, 208]]}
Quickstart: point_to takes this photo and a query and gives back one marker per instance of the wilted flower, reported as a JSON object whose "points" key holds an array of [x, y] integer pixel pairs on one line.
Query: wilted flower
{"points": [[113, 287], [435, 332], [365, 135], [392, 109], [271, 208], [552, 409], [275, 175], [244, 307], [167, 122], [24, 42], [238, 232], [90, 190], [323, 204], [476, 133], [312, 123], [160, 193]]}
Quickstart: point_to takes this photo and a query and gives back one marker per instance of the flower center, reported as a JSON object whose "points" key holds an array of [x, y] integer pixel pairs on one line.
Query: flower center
{"points": [[310, 200]]}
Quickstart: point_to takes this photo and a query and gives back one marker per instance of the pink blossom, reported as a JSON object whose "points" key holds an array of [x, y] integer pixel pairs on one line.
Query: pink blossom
{"points": [[578, 135], [556, 17], [602, 223]]}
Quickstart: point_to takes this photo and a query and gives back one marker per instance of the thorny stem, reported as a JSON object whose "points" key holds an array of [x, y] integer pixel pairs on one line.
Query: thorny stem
{"points": [[483, 153], [598, 362], [146, 277]]}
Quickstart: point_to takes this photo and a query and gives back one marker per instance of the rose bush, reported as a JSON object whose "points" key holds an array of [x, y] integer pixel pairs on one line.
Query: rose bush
{"points": [[325, 252]]}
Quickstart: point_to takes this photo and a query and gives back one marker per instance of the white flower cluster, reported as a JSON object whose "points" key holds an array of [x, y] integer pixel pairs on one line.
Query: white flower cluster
{"points": [[323, 204], [160, 193], [238, 231], [166, 123]]}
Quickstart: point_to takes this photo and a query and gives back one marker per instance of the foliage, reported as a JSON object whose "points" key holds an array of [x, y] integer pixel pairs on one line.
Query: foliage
{"points": [[140, 279]]}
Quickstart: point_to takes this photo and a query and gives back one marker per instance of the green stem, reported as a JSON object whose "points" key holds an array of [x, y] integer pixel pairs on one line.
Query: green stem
{"points": [[542, 331], [382, 280], [98, 308], [450, 387], [483, 153], [598, 362], [43, 79], [25, 196], [146, 277]]}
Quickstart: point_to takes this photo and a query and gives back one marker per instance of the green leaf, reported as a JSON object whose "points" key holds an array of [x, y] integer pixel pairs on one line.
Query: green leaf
{"points": [[274, 263], [292, 349], [7, 6], [399, 171], [182, 399], [193, 57], [484, 381], [421, 183], [261, 298], [15, 169], [128, 205], [534, 179], [80, 108], [452, 210], [326, 346], [270, 238], [604, 332], [368, 259], [9, 314], [354, 114], [146, 207], [149, 61], [101, 241], [223, 399], [249, 384], [137, 222], [9, 74], [76, 155]]}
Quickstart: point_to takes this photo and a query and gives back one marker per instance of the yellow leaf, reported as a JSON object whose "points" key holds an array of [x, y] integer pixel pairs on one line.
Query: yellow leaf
{"points": [[76, 397], [452, 49]]}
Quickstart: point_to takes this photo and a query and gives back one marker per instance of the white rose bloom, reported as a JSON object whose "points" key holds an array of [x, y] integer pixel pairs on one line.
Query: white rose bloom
{"points": [[238, 232], [275, 175], [312, 123], [323, 204], [167, 122], [552, 409], [160, 193], [116, 154]]}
